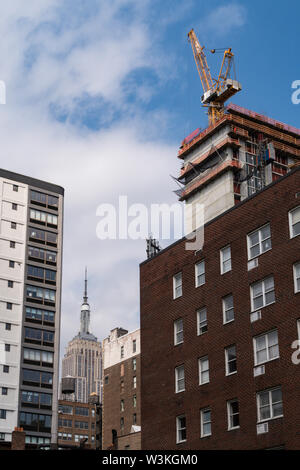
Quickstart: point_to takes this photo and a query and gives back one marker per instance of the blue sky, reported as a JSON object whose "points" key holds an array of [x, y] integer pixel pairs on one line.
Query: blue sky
{"points": [[99, 96]]}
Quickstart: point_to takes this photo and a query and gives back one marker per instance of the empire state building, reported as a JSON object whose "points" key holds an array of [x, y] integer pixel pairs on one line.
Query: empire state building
{"points": [[83, 357]]}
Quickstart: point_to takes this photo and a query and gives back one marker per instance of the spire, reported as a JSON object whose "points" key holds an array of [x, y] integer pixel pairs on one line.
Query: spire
{"points": [[85, 296], [85, 310]]}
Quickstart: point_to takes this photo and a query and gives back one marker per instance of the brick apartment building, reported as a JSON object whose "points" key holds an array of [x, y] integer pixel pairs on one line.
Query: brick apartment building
{"points": [[79, 423], [217, 324], [121, 390]]}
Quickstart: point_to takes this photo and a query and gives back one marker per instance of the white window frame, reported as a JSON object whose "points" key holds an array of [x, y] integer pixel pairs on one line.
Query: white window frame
{"points": [[260, 241], [298, 329], [201, 310], [179, 429], [202, 423], [176, 331], [256, 363], [263, 293], [290, 221], [222, 261], [227, 360], [200, 275], [230, 414], [270, 390], [177, 379], [175, 286], [202, 371], [226, 310], [295, 266]]}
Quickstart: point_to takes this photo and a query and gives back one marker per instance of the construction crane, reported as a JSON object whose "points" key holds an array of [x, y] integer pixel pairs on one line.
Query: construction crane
{"points": [[215, 91]]}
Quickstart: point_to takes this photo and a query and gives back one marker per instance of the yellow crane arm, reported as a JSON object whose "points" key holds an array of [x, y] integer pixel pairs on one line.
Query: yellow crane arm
{"points": [[201, 62], [225, 68]]}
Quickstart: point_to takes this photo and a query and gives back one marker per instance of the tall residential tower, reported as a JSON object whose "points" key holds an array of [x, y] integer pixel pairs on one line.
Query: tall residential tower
{"points": [[31, 225]]}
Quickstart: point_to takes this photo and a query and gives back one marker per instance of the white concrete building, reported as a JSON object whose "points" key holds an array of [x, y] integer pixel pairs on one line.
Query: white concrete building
{"points": [[27, 207]]}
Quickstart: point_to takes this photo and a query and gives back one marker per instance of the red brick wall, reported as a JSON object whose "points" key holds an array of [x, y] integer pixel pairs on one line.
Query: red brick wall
{"points": [[160, 403], [112, 396]]}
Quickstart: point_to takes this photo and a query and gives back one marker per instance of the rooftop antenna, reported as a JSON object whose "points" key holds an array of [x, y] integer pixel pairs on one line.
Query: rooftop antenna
{"points": [[152, 247], [85, 296]]}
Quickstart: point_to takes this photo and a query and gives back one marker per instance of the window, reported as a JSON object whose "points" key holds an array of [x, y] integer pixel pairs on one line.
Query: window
{"points": [[122, 424], [13, 225], [6, 369], [122, 405], [134, 346], [225, 259], [106, 380], [266, 347], [35, 273], [134, 382], [81, 424], [66, 409], [205, 422], [294, 222], [10, 284], [11, 264], [12, 244], [262, 293], [297, 277], [2, 436], [42, 255], [134, 418], [179, 379], [15, 188], [7, 347], [14, 206], [8, 326], [259, 241], [122, 352], [35, 422], [43, 218], [134, 401], [180, 429], [202, 321], [2, 414], [230, 360], [37, 378], [177, 285], [39, 400], [122, 370], [178, 331], [233, 414], [8, 305], [134, 363], [200, 273], [203, 370], [81, 411], [40, 295], [4, 390], [39, 316], [228, 310], [269, 404]]}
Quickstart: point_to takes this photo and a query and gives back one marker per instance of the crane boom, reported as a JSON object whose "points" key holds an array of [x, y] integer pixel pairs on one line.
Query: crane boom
{"points": [[201, 62]]}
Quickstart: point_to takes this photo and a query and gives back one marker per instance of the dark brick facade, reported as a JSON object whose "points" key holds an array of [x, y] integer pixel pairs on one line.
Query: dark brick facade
{"points": [[160, 404], [113, 393]]}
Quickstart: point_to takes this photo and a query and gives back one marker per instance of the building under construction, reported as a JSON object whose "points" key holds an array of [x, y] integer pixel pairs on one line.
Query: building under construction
{"points": [[234, 158]]}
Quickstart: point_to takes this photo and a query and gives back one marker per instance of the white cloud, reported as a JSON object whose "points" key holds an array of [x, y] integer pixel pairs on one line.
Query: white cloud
{"points": [[93, 57], [223, 20]]}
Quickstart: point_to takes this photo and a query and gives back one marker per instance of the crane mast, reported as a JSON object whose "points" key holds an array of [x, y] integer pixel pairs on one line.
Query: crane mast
{"points": [[215, 91]]}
